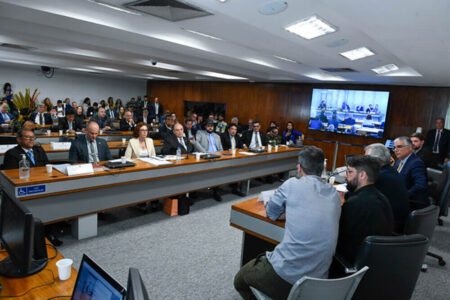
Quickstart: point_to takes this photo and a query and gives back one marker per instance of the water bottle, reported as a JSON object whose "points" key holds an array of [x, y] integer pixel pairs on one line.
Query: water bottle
{"points": [[24, 168], [324, 172], [178, 153]]}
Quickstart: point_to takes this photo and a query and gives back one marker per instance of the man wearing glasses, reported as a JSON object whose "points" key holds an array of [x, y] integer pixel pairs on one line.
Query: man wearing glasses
{"points": [[26, 145], [254, 138], [413, 171]]}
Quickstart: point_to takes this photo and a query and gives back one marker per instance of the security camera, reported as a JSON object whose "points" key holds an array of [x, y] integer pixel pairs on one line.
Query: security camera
{"points": [[154, 62]]}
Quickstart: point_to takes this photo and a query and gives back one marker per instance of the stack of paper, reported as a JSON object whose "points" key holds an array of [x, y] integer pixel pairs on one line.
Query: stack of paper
{"points": [[155, 161], [60, 146]]}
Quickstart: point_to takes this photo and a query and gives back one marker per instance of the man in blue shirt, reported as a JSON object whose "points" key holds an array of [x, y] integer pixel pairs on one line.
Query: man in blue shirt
{"points": [[312, 208]]}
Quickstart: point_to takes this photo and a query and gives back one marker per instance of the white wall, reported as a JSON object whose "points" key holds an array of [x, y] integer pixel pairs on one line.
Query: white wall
{"points": [[75, 85]]}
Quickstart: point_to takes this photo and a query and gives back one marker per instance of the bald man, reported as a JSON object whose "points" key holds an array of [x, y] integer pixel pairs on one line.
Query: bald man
{"points": [[89, 148]]}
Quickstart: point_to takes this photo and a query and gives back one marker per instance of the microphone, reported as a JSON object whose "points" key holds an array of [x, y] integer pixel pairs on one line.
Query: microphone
{"points": [[337, 171]]}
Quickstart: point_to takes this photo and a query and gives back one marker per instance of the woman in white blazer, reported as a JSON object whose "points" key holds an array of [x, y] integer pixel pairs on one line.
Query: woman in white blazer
{"points": [[140, 145]]}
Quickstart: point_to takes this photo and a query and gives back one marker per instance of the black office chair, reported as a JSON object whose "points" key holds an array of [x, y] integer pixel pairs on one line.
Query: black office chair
{"points": [[423, 221], [394, 265], [439, 186]]}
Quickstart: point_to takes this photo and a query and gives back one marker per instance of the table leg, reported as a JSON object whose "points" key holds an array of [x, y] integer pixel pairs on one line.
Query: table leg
{"points": [[85, 227], [252, 246]]}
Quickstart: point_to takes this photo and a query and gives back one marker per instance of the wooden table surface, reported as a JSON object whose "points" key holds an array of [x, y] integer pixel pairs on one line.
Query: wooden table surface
{"points": [[42, 285], [56, 134], [255, 208]]}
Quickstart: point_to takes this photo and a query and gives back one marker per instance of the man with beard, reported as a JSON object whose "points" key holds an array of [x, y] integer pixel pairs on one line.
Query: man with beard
{"points": [[366, 210]]}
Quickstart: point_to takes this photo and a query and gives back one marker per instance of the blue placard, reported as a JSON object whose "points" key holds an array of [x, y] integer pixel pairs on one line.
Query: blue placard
{"points": [[30, 190]]}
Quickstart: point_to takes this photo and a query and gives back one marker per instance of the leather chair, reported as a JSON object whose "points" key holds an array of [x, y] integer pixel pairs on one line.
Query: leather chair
{"points": [[394, 265], [423, 221], [439, 186]]}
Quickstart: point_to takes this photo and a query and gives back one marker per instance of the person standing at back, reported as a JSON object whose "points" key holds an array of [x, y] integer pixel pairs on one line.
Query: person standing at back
{"points": [[438, 140]]}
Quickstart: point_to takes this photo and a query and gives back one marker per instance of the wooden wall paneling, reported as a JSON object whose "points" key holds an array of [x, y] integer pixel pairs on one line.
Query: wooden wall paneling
{"points": [[345, 149], [327, 147]]}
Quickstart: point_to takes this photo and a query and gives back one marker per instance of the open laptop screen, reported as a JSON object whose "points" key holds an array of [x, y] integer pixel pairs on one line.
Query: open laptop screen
{"points": [[94, 283]]}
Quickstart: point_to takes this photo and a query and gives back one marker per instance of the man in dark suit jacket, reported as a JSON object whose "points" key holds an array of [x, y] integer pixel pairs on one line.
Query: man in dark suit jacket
{"points": [[5, 116], [155, 109], [254, 138], [69, 123], [166, 128], [366, 210], [34, 153], [390, 183], [413, 171], [189, 130], [423, 151], [438, 140], [41, 117], [98, 149], [127, 123], [177, 140], [227, 137], [145, 118], [102, 119]]}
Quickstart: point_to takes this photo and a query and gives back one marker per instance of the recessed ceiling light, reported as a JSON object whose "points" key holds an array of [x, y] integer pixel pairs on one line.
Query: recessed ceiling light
{"points": [[273, 7], [311, 27], [325, 77], [357, 53], [385, 69], [404, 72], [220, 75], [202, 34], [286, 59], [162, 76], [105, 69], [222, 1], [260, 62], [116, 8]]}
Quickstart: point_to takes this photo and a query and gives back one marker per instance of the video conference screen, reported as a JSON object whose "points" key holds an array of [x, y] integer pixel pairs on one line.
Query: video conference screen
{"points": [[353, 112]]}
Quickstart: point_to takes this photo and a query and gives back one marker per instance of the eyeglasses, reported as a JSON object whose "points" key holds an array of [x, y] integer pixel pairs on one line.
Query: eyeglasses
{"points": [[31, 138], [399, 146]]}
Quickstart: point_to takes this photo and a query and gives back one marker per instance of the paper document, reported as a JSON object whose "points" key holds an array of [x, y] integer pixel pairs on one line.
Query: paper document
{"points": [[60, 146], [61, 168], [155, 161], [265, 196], [341, 187], [120, 160], [173, 157]]}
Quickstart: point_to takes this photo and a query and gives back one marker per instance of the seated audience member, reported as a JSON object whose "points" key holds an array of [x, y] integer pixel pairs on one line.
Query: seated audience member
{"points": [[312, 209], [193, 118], [360, 108], [230, 139], [189, 130], [60, 109], [177, 140], [89, 148], [92, 110], [248, 127], [200, 123], [79, 115], [207, 140], [235, 121], [69, 123], [422, 151], [366, 210], [254, 138], [322, 117], [74, 105], [167, 127], [348, 120], [290, 134], [145, 118], [368, 122], [121, 113], [221, 126], [390, 184], [315, 123], [370, 109], [41, 117], [345, 106], [35, 155], [86, 104], [333, 123], [140, 145], [110, 112], [127, 124], [48, 104], [102, 119], [5, 116], [438, 140], [274, 136], [413, 171], [55, 120]]}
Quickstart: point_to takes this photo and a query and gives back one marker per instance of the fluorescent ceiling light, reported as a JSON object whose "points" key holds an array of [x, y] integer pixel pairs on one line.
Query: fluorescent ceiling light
{"points": [[202, 34], [260, 62], [105, 69], [220, 75], [385, 69], [286, 59], [325, 77], [22, 62], [404, 72], [116, 8], [162, 76], [357, 53], [83, 70], [311, 27], [82, 52]]}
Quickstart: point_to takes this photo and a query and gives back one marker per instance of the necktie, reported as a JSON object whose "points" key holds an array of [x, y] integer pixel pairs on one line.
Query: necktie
{"points": [[400, 166], [180, 140], [436, 142], [41, 119], [256, 140], [111, 113], [93, 153], [31, 156], [70, 125], [233, 142]]}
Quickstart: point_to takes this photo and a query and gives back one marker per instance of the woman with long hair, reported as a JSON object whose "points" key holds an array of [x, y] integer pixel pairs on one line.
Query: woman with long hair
{"points": [[290, 134], [140, 145]]}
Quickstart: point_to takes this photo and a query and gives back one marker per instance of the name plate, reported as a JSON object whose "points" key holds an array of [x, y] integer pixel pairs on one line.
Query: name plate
{"points": [[79, 169], [4, 148], [60, 146]]}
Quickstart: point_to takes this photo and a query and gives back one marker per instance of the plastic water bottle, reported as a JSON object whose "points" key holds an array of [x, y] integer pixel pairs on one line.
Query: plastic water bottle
{"points": [[178, 153], [324, 172], [24, 168]]}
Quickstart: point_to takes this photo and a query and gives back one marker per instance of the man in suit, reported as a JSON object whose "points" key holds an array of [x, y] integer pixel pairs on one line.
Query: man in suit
{"points": [[145, 118], [69, 123], [155, 109], [102, 119], [177, 140], [88, 148], [391, 184], [209, 141], [438, 140], [235, 121], [41, 117], [254, 138], [413, 171], [111, 113], [35, 155], [422, 151], [366, 210], [230, 139], [167, 127], [127, 123], [5, 116], [189, 130]]}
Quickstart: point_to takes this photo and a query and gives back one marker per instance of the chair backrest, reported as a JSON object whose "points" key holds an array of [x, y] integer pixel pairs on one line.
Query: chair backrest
{"points": [[394, 265], [308, 288], [422, 221], [444, 190]]}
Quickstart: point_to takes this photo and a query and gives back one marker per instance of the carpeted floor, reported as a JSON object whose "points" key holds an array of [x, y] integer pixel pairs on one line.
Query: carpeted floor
{"points": [[196, 256]]}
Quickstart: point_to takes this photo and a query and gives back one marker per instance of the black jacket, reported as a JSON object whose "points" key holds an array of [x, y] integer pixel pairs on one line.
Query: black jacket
{"points": [[79, 152], [171, 145], [247, 138], [47, 118], [77, 125], [226, 141], [444, 143], [14, 155], [124, 126]]}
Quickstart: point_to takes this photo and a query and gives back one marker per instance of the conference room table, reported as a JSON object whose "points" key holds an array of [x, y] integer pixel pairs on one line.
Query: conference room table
{"points": [[55, 155], [44, 138], [56, 196]]}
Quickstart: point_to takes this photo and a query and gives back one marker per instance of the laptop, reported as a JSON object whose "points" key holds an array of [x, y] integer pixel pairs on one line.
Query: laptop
{"points": [[94, 283], [209, 156], [119, 164]]}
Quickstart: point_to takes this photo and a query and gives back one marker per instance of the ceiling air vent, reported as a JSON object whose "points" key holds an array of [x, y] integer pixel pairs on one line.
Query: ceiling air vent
{"points": [[339, 70], [170, 10], [17, 47]]}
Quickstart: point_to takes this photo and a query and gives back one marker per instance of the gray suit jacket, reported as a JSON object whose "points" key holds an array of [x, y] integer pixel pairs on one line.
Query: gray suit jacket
{"points": [[201, 142], [79, 152]]}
